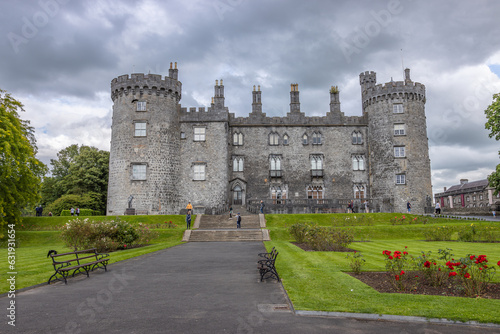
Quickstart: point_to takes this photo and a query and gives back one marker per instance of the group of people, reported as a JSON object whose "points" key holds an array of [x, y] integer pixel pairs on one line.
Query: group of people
{"points": [[189, 209], [75, 212], [364, 206]]}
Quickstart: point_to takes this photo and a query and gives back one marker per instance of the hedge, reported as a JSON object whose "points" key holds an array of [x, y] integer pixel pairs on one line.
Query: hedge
{"points": [[83, 212]]}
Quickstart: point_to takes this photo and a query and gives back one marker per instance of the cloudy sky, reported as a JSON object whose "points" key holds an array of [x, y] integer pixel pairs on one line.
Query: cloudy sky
{"points": [[58, 57]]}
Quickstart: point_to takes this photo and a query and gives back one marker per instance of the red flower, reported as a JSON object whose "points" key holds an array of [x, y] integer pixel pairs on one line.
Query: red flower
{"points": [[439, 269], [498, 263], [405, 253], [467, 275], [125, 246], [452, 273], [427, 264], [402, 272], [472, 257], [390, 258], [406, 246], [397, 277], [434, 263]]}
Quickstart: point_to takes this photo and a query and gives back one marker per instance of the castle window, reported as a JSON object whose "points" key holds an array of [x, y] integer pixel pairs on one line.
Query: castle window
{"points": [[315, 192], [199, 172], [199, 134], [304, 139], [357, 138], [480, 197], [278, 195], [183, 135], [358, 162], [273, 138], [401, 179], [316, 138], [238, 164], [140, 129], [359, 191], [237, 139], [275, 166], [285, 139], [139, 172], [316, 165], [468, 199], [474, 198], [399, 152], [399, 129], [397, 108], [141, 105]]}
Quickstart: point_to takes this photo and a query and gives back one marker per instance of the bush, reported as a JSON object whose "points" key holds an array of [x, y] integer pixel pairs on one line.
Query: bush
{"points": [[434, 269], [298, 232], [438, 233], [105, 236], [471, 233], [83, 212], [321, 238]]}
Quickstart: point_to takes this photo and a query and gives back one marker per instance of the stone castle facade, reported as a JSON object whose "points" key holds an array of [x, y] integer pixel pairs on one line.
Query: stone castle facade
{"points": [[165, 155]]}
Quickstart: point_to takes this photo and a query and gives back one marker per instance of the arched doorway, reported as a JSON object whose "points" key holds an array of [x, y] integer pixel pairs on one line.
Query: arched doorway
{"points": [[237, 195]]}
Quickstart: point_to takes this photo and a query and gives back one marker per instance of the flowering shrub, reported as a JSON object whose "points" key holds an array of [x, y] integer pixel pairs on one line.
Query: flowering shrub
{"points": [[357, 262], [298, 231], [440, 233], [471, 233], [433, 268], [398, 265], [104, 236], [474, 273]]}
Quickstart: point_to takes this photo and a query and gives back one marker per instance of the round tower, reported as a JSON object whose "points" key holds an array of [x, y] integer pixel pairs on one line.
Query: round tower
{"points": [[398, 146], [145, 148]]}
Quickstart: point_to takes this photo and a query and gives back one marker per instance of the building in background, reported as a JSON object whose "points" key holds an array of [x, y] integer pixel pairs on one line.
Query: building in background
{"points": [[165, 155]]}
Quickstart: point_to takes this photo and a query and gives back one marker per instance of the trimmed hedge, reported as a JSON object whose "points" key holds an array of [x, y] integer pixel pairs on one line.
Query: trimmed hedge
{"points": [[83, 212]]}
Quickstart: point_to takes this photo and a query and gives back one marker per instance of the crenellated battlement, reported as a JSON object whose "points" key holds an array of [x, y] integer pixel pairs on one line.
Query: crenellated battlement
{"points": [[150, 84], [293, 120]]}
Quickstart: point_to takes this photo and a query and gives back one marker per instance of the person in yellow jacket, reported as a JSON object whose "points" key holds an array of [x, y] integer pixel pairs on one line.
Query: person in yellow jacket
{"points": [[189, 207]]}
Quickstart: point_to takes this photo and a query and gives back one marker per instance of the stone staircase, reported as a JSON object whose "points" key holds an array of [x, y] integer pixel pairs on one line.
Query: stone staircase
{"points": [[221, 228]]}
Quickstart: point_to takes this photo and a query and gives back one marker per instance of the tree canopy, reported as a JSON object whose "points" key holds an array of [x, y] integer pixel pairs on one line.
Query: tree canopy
{"points": [[20, 170], [493, 124]]}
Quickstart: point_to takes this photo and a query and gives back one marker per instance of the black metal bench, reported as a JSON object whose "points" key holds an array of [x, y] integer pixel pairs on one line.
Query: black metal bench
{"points": [[266, 266], [77, 262]]}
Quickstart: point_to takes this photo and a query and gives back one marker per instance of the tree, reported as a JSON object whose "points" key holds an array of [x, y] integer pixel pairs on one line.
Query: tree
{"points": [[20, 171], [493, 124]]}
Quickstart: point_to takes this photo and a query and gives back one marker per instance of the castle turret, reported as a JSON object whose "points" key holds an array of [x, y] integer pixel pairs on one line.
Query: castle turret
{"points": [[218, 100], [294, 98], [398, 149], [144, 154], [334, 100]]}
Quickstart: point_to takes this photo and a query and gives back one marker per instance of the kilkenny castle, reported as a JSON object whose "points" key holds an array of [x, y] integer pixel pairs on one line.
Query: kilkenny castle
{"points": [[164, 155]]}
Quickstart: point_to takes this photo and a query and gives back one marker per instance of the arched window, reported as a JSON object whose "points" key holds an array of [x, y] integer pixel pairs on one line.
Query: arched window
{"points": [[285, 139], [237, 139], [357, 138], [278, 194], [275, 166], [316, 138], [315, 192], [358, 162], [304, 139], [238, 164], [274, 138], [359, 191]]}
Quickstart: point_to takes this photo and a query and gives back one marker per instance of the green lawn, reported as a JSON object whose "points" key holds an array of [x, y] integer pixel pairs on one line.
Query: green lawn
{"points": [[316, 280]]}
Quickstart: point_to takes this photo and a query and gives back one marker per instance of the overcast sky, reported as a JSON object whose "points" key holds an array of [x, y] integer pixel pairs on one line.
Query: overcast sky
{"points": [[59, 57]]}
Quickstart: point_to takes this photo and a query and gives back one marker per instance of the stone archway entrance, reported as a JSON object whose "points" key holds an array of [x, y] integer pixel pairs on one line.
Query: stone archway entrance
{"points": [[237, 195]]}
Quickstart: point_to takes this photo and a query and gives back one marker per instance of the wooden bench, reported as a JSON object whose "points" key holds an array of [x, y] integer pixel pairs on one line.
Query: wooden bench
{"points": [[78, 262], [266, 266]]}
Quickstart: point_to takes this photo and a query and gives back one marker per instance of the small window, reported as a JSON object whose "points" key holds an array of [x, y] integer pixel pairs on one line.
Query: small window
{"points": [[359, 191], [400, 179], [357, 138], [273, 138], [141, 105], [480, 197], [199, 172], [468, 199], [237, 139], [316, 165], [399, 152], [183, 135], [358, 162], [397, 108], [140, 129], [199, 134], [316, 138], [474, 197], [304, 139], [238, 164], [315, 192], [138, 172], [399, 129], [285, 139]]}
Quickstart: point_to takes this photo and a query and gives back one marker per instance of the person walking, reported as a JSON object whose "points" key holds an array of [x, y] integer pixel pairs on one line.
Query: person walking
{"points": [[238, 220], [72, 211], [189, 207], [262, 205], [438, 208], [231, 212], [367, 207], [77, 212], [408, 207], [188, 219]]}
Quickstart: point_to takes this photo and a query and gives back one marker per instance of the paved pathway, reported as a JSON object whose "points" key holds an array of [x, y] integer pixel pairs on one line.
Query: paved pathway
{"points": [[192, 288]]}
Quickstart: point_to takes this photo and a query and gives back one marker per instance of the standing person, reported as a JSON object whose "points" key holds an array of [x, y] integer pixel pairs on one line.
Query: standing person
{"points": [[408, 207], [262, 205], [367, 206], [238, 220], [188, 219], [189, 207], [72, 211], [231, 212], [77, 212], [438, 208]]}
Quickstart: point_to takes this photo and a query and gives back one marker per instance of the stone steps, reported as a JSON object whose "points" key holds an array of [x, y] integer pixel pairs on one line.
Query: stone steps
{"points": [[223, 222], [226, 235]]}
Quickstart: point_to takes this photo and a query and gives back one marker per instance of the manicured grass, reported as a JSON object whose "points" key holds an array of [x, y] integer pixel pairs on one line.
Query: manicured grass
{"points": [[316, 280], [32, 265]]}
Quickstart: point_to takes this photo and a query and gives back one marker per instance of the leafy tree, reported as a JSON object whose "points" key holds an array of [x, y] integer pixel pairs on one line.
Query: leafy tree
{"points": [[20, 171], [493, 124]]}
